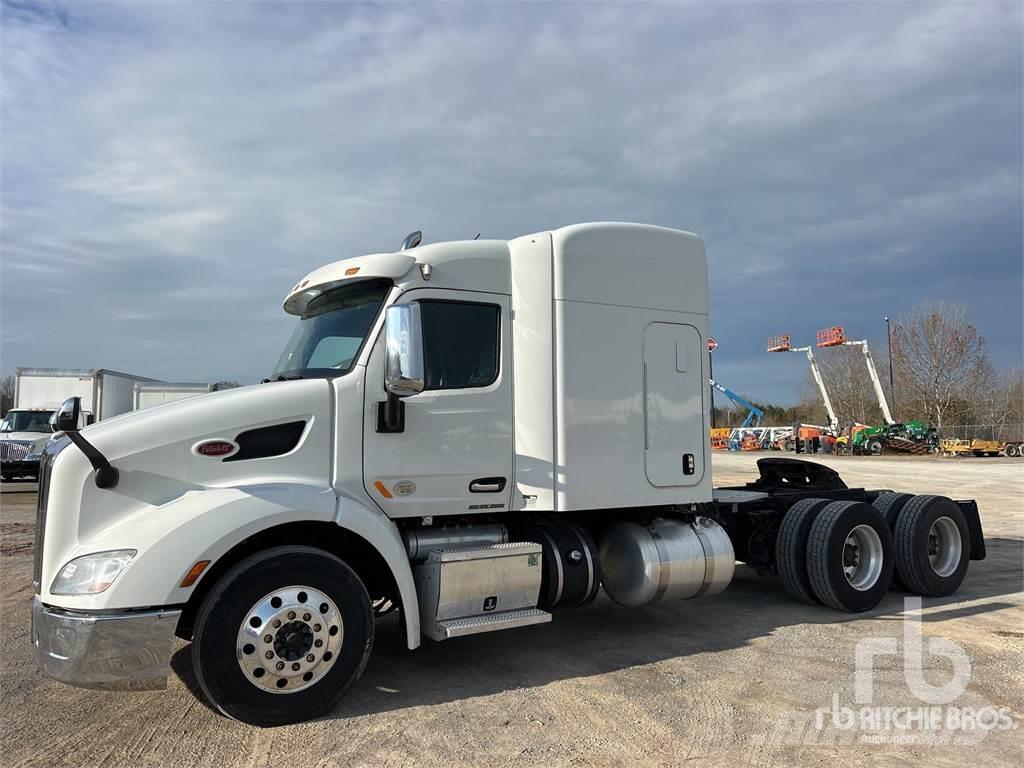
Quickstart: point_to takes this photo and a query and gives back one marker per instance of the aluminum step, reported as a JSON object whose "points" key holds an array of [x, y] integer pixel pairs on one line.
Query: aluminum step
{"points": [[474, 625]]}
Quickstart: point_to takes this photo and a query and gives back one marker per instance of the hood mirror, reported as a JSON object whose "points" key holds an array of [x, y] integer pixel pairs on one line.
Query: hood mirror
{"points": [[68, 417]]}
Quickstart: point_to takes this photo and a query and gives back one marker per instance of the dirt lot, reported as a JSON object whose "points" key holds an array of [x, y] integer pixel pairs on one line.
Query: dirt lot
{"points": [[732, 679]]}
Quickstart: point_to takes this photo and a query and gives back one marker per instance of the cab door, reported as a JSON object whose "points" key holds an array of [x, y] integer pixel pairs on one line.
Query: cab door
{"points": [[454, 453]]}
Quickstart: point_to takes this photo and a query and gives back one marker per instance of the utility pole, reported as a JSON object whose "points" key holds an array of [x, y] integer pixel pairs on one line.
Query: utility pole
{"points": [[892, 387]]}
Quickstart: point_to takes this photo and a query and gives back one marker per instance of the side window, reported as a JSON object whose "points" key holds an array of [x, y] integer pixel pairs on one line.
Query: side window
{"points": [[460, 343]]}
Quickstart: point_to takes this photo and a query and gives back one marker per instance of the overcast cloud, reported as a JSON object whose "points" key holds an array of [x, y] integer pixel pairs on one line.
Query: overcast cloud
{"points": [[170, 170]]}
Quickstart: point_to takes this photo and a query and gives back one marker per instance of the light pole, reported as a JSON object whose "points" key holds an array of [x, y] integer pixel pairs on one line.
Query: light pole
{"points": [[892, 388]]}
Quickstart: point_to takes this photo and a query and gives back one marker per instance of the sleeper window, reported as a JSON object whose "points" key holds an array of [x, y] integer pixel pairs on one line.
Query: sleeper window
{"points": [[460, 344]]}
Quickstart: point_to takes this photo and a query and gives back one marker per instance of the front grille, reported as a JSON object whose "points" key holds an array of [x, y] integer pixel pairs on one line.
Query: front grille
{"points": [[14, 450], [45, 468]]}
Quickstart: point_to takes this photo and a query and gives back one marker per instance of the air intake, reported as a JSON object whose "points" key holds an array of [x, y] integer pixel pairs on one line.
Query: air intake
{"points": [[263, 442]]}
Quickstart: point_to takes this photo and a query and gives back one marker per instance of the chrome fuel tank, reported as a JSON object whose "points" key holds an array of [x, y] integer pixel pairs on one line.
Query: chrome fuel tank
{"points": [[642, 564]]}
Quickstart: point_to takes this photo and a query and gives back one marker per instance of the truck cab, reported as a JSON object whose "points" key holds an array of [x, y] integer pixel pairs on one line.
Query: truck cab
{"points": [[477, 434], [24, 433]]}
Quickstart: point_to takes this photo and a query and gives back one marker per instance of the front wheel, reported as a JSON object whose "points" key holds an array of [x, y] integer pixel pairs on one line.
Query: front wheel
{"points": [[282, 636]]}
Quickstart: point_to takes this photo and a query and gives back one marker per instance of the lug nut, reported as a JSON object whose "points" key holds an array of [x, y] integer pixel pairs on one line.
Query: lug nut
{"points": [[291, 615], [295, 667], [317, 627], [269, 655], [268, 638], [277, 623], [306, 617], [311, 658], [280, 666], [318, 643]]}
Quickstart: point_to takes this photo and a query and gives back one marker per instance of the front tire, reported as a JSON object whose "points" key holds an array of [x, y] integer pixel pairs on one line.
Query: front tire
{"points": [[282, 636], [933, 546], [850, 556]]}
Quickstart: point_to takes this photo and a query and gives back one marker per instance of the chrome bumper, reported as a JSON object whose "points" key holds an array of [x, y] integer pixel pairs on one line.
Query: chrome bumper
{"points": [[125, 651]]}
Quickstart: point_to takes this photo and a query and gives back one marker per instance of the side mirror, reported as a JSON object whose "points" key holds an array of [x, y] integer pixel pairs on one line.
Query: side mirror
{"points": [[68, 416], [403, 362]]}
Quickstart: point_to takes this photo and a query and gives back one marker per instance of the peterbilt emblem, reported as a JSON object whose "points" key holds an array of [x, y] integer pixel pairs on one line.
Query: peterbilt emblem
{"points": [[214, 449]]}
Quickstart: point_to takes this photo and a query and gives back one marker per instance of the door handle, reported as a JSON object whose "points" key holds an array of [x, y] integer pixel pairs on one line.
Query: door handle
{"points": [[487, 485]]}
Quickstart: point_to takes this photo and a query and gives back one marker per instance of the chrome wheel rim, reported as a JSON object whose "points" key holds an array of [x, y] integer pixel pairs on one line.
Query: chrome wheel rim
{"points": [[289, 639], [945, 547], [862, 557]]}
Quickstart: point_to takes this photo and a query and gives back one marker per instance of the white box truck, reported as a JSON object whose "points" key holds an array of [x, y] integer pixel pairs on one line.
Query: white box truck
{"points": [[149, 394], [38, 392], [479, 434]]}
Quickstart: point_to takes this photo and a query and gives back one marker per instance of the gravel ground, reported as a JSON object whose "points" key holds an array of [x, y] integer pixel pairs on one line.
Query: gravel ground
{"points": [[732, 679]]}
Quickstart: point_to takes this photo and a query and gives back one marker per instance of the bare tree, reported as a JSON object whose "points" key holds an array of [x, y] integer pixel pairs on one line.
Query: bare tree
{"points": [[940, 360], [6, 394], [998, 404]]}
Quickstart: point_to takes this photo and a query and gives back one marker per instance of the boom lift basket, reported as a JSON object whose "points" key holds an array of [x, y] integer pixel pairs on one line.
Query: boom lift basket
{"points": [[831, 337]]}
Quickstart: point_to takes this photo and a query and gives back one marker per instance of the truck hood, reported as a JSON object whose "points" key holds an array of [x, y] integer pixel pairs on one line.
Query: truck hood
{"points": [[154, 452]]}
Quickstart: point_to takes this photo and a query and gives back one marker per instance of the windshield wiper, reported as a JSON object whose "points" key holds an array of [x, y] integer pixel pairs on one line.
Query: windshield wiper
{"points": [[282, 377]]}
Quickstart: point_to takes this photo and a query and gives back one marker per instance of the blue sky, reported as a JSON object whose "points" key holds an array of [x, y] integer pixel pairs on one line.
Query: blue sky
{"points": [[170, 169]]}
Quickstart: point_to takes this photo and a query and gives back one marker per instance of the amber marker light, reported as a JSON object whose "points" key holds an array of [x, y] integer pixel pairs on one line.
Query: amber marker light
{"points": [[194, 573]]}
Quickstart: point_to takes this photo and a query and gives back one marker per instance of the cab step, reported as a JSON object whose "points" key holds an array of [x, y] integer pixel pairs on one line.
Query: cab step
{"points": [[474, 625]]}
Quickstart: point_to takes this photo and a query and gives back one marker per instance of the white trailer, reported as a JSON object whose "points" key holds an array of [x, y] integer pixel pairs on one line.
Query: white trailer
{"points": [[104, 393], [37, 394], [480, 434], [151, 394]]}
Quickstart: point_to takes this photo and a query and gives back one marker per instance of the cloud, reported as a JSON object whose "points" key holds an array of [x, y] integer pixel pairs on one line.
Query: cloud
{"points": [[169, 170]]}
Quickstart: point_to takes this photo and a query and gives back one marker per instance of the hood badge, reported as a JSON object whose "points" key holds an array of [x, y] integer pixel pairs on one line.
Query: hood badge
{"points": [[215, 449]]}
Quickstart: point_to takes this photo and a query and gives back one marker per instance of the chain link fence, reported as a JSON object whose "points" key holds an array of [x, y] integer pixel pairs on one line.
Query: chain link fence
{"points": [[1002, 432]]}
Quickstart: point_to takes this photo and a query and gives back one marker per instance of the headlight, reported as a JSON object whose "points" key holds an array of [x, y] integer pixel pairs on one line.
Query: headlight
{"points": [[91, 574]]}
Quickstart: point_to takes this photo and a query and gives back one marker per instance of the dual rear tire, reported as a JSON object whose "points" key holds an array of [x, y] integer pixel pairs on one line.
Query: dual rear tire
{"points": [[847, 554], [835, 553]]}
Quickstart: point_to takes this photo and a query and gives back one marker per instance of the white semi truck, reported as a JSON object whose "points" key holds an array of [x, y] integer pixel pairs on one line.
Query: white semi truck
{"points": [[37, 394], [480, 434]]}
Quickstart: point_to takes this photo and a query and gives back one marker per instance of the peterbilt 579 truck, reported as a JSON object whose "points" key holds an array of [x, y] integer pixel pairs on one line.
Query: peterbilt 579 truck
{"points": [[478, 434]]}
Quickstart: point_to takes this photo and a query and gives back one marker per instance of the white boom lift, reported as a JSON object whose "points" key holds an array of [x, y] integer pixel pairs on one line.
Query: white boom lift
{"points": [[835, 337]]}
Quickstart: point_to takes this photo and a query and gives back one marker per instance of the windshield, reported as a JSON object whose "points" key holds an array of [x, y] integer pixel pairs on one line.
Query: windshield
{"points": [[27, 421], [331, 333]]}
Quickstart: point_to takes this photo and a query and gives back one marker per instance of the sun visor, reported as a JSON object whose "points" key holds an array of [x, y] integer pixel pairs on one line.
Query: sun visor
{"points": [[372, 266]]}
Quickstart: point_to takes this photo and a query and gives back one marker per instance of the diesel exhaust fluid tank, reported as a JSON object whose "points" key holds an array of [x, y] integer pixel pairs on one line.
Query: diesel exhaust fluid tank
{"points": [[665, 560]]}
